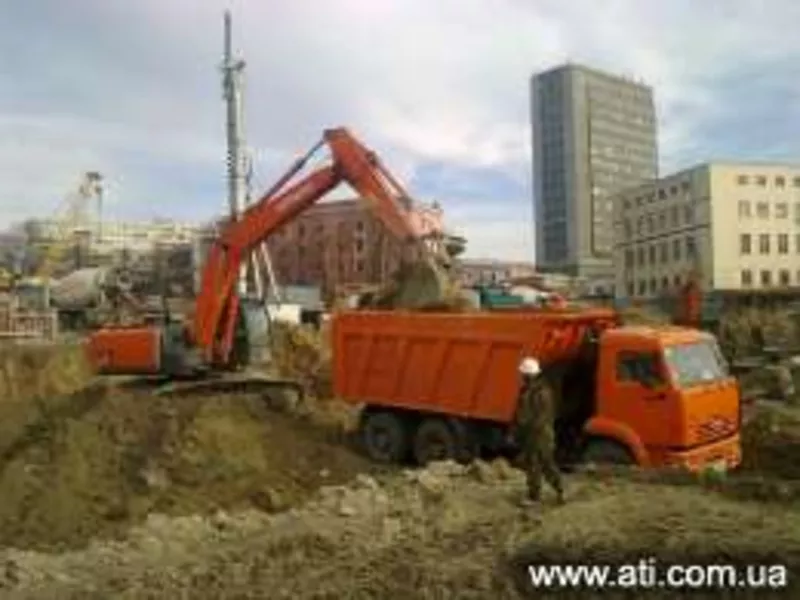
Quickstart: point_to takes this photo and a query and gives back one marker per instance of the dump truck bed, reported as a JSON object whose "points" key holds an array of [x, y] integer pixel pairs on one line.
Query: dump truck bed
{"points": [[459, 364]]}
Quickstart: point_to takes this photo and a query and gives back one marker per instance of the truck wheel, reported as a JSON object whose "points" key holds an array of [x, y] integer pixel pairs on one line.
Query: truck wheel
{"points": [[606, 452], [383, 436], [435, 440]]}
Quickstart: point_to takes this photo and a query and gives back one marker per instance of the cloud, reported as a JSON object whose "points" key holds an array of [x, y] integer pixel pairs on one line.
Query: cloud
{"points": [[439, 89]]}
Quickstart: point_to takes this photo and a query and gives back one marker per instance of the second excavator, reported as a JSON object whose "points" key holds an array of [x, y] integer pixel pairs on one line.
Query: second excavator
{"points": [[217, 337]]}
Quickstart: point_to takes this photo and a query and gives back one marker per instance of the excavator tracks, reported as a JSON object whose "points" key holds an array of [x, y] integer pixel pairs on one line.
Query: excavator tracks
{"points": [[274, 390]]}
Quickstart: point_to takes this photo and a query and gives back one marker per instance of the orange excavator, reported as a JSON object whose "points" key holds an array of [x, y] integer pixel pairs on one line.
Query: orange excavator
{"points": [[220, 337]]}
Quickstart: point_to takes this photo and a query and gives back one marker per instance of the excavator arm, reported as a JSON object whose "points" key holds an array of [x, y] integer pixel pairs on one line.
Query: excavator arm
{"points": [[218, 304]]}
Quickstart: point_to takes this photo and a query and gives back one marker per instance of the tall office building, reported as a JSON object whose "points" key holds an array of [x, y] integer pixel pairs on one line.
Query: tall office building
{"points": [[594, 134]]}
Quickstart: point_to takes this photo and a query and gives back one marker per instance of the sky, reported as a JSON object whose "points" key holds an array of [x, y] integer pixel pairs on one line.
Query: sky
{"points": [[439, 89]]}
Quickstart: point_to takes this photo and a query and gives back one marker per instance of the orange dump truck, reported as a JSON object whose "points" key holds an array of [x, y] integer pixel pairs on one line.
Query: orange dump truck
{"points": [[438, 386]]}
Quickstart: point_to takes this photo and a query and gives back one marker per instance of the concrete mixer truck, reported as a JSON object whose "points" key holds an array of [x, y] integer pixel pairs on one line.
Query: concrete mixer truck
{"points": [[86, 296]]}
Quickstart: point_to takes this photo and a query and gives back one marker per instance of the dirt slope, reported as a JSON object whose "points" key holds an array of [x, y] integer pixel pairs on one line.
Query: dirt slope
{"points": [[105, 459]]}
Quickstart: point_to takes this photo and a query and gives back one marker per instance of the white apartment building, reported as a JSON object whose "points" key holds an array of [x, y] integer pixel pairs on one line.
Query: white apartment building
{"points": [[737, 225], [116, 235]]}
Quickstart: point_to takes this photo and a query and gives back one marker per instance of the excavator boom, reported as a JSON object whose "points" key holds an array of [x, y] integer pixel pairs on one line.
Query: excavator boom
{"points": [[218, 305]]}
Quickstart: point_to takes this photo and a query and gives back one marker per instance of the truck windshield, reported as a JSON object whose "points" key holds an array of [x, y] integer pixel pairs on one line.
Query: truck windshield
{"points": [[695, 363]]}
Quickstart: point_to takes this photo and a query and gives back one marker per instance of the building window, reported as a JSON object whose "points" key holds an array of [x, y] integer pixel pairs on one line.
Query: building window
{"points": [[626, 205], [676, 250], [664, 252], [628, 228], [651, 224], [797, 182], [783, 243], [745, 243], [640, 226], [630, 289], [629, 258], [747, 278], [677, 281], [673, 190], [642, 287], [665, 283], [359, 226], [653, 285], [784, 277], [691, 248], [685, 186], [662, 194], [761, 180], [797, 243], [766, 278], [742, 179], [640, 257], [359, 246], [662, 221], [797, 213], [688, 214], [652, 254], [673, 216], [744, 209], [762, 210], [780, 181], [782, 210], [301, 230], [763, 243]]}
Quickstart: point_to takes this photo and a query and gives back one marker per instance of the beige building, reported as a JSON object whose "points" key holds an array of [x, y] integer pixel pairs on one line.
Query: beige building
{"points": [[736, 224]]}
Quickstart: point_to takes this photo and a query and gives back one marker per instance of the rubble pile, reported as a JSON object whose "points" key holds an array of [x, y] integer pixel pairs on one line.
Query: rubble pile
{"points": [[443, 531]]}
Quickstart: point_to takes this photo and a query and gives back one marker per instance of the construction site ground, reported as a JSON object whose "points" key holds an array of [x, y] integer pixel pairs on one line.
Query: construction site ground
{"points": [[116, 492]]}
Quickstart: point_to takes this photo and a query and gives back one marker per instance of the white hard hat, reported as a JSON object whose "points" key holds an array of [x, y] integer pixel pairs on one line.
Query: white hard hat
{"points": [[529, 366]]}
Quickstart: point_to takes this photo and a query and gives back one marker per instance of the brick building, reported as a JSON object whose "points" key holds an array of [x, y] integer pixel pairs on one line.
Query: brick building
{"points": [[341, 242]]}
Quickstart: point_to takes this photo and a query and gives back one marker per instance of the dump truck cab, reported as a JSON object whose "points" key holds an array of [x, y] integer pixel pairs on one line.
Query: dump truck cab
{"points": [[666, 396]]}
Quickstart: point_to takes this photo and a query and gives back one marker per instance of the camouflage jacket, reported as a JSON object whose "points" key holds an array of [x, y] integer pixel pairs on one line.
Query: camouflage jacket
{"points": [[536, 411]]}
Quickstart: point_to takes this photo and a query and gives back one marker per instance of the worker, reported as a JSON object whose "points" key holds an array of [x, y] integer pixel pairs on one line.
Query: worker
{"points": [[535, 432]]}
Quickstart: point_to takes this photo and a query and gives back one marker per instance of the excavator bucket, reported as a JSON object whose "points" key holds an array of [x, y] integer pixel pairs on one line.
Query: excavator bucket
{"points": [[418, 285]]}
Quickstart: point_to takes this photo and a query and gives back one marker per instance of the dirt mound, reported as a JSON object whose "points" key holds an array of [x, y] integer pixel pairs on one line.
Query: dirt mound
{"points": [[109, 458], [445, 531], [34, 382], [771, 441], [302, 353]]}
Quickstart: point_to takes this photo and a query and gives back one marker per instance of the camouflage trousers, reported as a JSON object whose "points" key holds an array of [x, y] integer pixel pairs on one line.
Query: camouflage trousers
{"points": [[539, 463], [783, 382]]}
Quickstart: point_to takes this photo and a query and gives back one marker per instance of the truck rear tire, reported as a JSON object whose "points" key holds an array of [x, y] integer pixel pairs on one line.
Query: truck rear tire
{"points": [[384, 436], [435, 440], [606, 452]]}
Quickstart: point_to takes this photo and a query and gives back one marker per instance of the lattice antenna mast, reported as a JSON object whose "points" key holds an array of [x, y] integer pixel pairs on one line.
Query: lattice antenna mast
{"points": [[232, 80]]}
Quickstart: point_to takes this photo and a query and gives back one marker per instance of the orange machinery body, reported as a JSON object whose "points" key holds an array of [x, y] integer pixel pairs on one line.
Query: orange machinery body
{"points": [[126, 350], [464, 367], [213, 340]]}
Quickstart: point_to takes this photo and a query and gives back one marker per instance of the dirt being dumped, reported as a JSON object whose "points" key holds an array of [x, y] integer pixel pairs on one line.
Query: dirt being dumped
{"points": [[107, 458]]}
